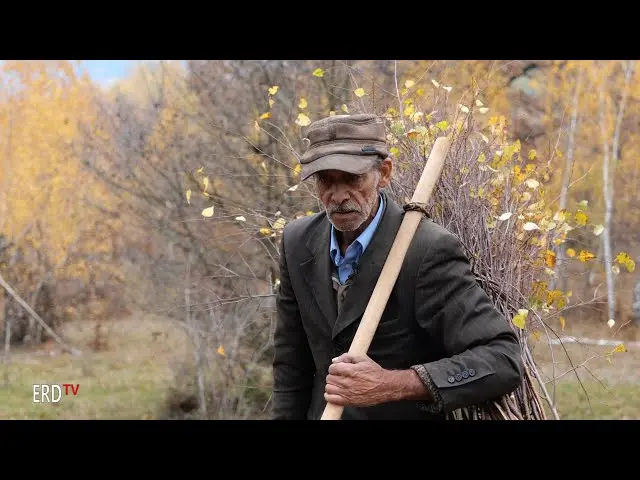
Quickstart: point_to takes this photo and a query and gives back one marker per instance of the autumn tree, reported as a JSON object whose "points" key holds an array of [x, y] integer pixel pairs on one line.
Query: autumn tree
{"points": [[51, 209]]}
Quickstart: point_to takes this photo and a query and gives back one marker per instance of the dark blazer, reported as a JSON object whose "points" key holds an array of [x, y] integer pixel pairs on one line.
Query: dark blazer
{"points": [[438, 321]]}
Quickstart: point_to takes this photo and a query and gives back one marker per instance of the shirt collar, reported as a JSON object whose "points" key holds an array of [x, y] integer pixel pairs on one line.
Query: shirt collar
{"points": [[363, 239]]}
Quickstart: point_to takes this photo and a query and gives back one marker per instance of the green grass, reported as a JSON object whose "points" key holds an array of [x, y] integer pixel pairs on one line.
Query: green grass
{"points": [[132, 377], [619, 402], [129, 380]]}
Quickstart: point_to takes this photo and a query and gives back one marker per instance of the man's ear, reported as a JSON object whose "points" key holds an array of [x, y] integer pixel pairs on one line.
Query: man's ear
{"points": [[386, 168]]}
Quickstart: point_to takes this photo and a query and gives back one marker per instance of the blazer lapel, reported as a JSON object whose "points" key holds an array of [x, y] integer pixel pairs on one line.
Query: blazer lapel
{"points": [[317, 271], [370, 266]]}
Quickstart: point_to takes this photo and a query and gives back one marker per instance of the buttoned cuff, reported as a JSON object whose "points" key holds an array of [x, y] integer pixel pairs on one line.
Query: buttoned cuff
{"points": [[437, 404]]}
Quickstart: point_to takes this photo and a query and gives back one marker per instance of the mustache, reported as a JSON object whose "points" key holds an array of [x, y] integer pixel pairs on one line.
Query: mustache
{"points": [[343, 208]]}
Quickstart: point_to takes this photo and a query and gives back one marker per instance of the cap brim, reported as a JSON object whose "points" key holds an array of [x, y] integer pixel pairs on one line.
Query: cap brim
{"points": [[356, 164]]}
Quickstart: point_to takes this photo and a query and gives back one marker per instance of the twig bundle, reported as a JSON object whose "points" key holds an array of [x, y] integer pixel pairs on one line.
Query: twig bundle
{"points": [[489, 195]]}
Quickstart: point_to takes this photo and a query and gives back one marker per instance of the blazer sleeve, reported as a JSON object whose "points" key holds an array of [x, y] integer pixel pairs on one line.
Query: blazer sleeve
{"points": [[481, 356], [293, 366]]}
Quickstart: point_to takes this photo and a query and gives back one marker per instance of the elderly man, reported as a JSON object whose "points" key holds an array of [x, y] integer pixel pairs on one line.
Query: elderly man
{"points": [[440, 344]]}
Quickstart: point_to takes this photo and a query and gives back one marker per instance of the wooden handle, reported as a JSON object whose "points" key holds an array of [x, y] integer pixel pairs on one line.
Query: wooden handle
{"points": [[393, 263]]}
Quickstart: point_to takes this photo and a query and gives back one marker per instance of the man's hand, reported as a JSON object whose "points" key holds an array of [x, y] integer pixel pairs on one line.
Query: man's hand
{"points": [[359, 381]]}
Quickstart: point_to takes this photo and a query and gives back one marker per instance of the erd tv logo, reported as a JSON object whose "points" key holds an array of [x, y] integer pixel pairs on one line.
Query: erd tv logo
{"points": [[52, 393]]}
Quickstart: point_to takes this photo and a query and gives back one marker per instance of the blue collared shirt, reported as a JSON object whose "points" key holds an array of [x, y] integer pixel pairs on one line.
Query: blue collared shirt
{"points": [[352, 256]]}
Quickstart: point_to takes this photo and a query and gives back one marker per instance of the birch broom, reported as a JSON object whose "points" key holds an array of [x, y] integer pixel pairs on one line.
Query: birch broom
{"points": [[490, 194]]}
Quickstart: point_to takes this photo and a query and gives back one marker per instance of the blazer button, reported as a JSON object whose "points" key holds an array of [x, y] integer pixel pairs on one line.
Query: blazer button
{"points": [[465, 374], [458, 377], [472, 372], [451, 379]]}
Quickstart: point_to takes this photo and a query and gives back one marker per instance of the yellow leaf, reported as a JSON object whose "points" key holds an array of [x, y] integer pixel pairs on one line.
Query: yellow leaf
{"points": [[443, 125], [550, 258], [309, 213], [585, 256], [519, 320], [344, 108], [482, 158], [571, 252], [221, 351], [189, 197], [318, 72], [303, 103], [208, 212], [271, 102], [532, 154], [394, 151], [619, 348], [297, 170], [409, 110], [598, 229], [200, 170], [562, 323], [266, 115], [623, 258], [409, 83], [420, 92], [536, 335], [359, 92], [303, 120], [265, 231], [273, 90], [205, 181], [279, 223], [581, 218]]}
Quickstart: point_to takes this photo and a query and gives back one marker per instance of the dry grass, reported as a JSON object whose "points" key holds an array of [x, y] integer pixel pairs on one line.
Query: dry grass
{"points": [[127, 380], [132, 377], [594, 385]]}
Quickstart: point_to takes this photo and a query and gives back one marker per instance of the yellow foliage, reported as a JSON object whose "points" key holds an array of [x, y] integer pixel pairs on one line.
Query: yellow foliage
{"points": [[44, 182]]}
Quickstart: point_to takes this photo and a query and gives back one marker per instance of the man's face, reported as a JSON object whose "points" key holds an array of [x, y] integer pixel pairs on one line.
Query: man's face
{"points": [[350, 199]]}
